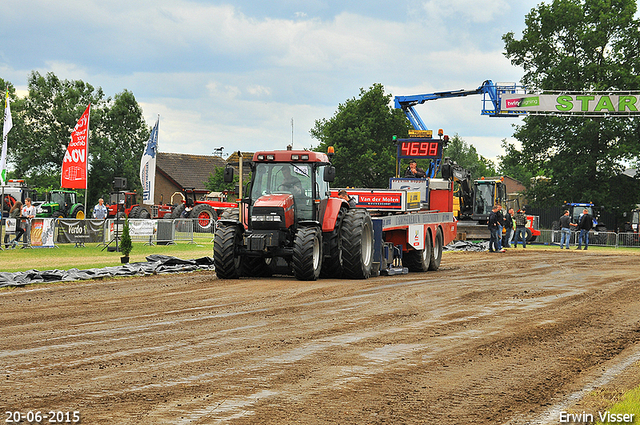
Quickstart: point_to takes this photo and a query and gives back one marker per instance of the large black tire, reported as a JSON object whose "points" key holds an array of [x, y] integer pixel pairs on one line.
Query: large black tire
{"points": [[144, 213], [227, 262], [307, 253], [204, 218], [357, 244], [436, 252], [77, 212], [177, 211], [135, 212], [530, 237], [419, 260], [332, 264]]}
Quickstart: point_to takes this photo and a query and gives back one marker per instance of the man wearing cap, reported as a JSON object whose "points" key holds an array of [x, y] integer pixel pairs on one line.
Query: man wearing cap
{"points": [[414, 171], [521, 227]]}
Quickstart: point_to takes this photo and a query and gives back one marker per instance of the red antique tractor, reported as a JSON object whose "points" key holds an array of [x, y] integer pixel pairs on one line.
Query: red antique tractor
{"points": [[205, 212]]}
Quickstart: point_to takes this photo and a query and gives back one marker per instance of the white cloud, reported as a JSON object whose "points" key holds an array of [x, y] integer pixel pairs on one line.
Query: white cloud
{"points": [[219, 76]]}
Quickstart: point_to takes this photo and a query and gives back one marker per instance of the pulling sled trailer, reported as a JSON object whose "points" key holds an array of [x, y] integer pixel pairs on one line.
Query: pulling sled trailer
{"points": [[291, 222]]}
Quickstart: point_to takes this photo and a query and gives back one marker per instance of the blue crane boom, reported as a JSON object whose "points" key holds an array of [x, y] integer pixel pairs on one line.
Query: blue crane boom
{"points": [[490, 91]]}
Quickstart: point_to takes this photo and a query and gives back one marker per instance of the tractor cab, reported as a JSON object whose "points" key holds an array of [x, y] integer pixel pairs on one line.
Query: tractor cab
{"points": [[300, 185]]}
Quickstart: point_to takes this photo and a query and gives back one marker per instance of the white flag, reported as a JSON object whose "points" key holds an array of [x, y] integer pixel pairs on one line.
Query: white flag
{"points": [[8, 123], [148, 166]]}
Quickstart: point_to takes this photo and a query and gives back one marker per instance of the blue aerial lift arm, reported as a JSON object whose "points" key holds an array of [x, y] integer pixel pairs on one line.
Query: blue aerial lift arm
{"points": [[490, 103]]}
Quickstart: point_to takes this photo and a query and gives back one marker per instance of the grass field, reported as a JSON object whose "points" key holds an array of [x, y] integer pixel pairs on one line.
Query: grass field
{"points": [[68, 256]]}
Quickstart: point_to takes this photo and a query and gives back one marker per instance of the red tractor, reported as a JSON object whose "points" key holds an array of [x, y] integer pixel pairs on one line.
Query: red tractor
{"points": [[205, 212], [291, 225], [125, 204]]}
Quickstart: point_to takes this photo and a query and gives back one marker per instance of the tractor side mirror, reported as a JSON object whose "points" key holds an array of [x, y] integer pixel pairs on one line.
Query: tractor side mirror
{"points": [[228, 175], [329, 173]]}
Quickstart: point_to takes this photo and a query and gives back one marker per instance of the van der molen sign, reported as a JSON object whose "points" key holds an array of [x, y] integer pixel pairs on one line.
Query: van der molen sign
{"points": [[573, 103]]}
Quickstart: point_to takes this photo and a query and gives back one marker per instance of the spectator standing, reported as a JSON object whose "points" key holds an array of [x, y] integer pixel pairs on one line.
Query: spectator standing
{"points": [[565, 228], [100, 210], [508, 225], [585, 224], [494, 241], [29, 212], [521, 227], [500, 226], [16, 212]]}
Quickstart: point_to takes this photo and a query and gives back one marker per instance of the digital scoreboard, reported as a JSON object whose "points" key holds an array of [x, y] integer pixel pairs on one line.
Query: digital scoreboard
{"points": [[420, 148]]}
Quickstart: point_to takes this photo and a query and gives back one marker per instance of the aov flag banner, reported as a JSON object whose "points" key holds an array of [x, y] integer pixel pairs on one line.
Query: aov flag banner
{"points": [[74, 165]]}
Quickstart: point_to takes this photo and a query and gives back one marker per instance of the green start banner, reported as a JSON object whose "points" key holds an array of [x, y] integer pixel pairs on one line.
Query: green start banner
{"points": [[572, 103]]}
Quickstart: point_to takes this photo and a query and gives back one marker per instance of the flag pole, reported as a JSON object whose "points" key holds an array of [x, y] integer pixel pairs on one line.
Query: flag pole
{"points": [[86, 187]]}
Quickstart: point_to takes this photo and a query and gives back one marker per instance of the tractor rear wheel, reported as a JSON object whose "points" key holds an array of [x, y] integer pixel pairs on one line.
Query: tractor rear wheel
{"points": [[227, 262], [357, 244], [78, 213], [418, 260], [436, 252], [205, 217], [135, 212], [307, 253], [177, 211], [144, 213]]}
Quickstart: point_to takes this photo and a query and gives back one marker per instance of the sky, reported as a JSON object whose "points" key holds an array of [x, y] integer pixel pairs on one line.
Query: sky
{"points": [[250, 75]]}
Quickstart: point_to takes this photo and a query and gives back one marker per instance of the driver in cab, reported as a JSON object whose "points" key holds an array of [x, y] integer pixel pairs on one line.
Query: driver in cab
{"points": [[291, 183]]}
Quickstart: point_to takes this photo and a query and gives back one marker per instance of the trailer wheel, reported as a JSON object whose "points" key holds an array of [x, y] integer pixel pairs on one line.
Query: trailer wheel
{"points": [[225, 258], [332, 264], [418, 260], [307, 253], [357, 244], [205, 217], [436, 252]]}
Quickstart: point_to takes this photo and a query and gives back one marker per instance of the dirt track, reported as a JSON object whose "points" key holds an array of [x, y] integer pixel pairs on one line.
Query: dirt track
{"points": [[489, 338]]}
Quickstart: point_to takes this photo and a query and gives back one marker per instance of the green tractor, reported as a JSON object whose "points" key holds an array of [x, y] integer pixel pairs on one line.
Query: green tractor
{"points": [[61, 204]]}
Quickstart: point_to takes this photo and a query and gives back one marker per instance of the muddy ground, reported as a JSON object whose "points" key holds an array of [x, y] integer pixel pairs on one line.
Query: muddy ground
{"points": [[489, 338]]}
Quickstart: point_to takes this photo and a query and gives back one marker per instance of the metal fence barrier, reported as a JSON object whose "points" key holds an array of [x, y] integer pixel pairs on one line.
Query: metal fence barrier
{"points": [[610, 239]]}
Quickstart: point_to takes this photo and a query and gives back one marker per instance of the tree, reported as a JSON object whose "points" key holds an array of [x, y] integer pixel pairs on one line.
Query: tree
{"points": [[43, 122], [580, 45], [216, 183], [361, 132], [467, 157]]}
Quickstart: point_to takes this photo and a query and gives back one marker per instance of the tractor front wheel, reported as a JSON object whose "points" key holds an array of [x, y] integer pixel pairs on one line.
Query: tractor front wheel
{"points": [[307, 253], [226, 260]]}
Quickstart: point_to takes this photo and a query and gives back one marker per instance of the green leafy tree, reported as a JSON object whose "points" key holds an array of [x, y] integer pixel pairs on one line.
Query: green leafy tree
{"points": [[579, 45], [361, 132], [43, 122], [215, 182], [467, 157]]}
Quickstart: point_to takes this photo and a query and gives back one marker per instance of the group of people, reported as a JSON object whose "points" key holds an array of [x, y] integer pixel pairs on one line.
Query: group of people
{"points": [[22, 214], [514, 225], [585, 223]]}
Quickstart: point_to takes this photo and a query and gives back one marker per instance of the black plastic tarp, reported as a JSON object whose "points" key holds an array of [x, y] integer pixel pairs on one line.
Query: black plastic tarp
{"points": [[155, 264]]}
